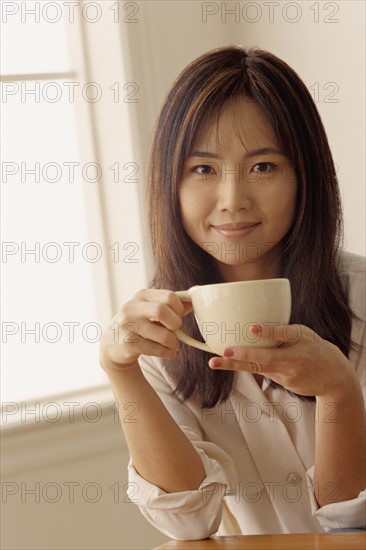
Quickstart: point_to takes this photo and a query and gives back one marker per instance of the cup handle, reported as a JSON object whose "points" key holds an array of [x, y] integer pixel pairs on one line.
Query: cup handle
{"points": [[182, 336]]}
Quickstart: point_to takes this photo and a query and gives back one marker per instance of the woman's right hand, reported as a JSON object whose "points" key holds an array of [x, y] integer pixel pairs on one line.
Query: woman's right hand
{"points": [[143, 326]]}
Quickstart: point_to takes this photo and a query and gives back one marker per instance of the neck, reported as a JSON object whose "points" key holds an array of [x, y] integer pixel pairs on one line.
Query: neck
{"points": [[266, 267]]}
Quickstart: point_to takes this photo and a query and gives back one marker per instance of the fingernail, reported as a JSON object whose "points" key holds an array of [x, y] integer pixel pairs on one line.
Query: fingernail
{"points": [[214, 363], [228, 352], [256, 329]]}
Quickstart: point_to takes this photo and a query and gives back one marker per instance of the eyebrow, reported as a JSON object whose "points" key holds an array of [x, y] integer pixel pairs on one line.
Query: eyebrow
{"points": [[256, 152]]}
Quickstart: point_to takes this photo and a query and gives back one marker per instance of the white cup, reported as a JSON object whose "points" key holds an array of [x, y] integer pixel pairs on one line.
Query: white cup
{"points": [[225, 312]]}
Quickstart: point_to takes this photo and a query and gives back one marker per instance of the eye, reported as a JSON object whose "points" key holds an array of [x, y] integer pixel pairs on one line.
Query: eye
{"points": [[203, 170], [263, 167]]}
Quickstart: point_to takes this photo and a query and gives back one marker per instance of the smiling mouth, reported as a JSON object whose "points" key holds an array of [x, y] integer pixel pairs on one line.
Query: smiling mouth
{"points": [[236, 229]]}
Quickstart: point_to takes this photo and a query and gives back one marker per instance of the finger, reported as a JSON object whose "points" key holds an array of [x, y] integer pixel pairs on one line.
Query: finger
{"points": [[133, 332], [166, 297], [221, 363], [121, 354], [159, 334], [271, 360], [157, 312], [187, 307], [289, 334], [265, 356]]}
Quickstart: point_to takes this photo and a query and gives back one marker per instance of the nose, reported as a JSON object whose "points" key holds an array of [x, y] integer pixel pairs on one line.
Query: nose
{"points": [[233, 190]]}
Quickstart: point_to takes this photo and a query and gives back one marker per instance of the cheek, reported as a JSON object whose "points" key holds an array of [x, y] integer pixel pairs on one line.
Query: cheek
{"points": [[281, 206], [291, 201], [193, 207], [185, 207], [288, 188], [187, 213]]}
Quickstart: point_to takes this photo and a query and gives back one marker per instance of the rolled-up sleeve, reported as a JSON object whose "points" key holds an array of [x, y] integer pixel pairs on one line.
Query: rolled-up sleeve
{"points": [[184, 515], [349, 514]]}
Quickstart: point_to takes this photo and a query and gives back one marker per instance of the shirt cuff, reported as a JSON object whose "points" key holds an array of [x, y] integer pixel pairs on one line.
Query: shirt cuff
{"points": [[349, 514], [184, 515]]}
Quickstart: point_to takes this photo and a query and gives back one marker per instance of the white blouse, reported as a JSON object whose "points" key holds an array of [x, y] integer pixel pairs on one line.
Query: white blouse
{"points": [[257, 449]]}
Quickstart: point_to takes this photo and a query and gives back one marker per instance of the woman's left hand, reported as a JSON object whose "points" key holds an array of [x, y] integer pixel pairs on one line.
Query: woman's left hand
{"points": [[303, 363]]}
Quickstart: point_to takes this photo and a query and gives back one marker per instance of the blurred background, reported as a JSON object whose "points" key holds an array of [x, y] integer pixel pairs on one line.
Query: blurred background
{"points": [[82, 83]]}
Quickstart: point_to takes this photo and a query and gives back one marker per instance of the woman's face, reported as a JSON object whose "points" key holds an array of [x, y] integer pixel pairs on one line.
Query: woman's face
{"points": [[238, 193]]}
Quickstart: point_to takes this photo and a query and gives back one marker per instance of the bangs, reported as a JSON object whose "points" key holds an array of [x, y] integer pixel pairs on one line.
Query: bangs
{"points": [[210, 122]]}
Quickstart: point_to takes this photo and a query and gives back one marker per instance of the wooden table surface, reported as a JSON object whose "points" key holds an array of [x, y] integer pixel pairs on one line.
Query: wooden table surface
{"points": [[306, 541]]}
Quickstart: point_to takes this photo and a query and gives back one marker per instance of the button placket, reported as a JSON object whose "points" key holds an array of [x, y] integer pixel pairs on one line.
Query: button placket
{"points": [[294, 477]]}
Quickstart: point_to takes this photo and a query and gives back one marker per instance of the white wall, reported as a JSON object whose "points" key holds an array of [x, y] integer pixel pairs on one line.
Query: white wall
{"points": [[64, 483]]}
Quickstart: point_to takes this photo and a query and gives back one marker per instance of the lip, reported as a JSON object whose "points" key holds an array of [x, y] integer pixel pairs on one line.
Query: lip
{"points": [[236, 229]]}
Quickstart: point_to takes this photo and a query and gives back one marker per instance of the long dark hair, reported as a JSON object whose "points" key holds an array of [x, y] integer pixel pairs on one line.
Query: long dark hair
{"points": [[309, 250]]}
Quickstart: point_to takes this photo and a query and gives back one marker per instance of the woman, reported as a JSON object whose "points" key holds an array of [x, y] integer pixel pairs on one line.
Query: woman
{"points": [[242, 186]]}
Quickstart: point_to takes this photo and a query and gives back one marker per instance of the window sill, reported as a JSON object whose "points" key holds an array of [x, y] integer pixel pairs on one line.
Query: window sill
{"points": [[65, 428]]}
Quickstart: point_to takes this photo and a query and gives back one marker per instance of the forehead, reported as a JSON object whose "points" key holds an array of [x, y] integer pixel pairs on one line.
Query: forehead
{"points": [[241, 122]]}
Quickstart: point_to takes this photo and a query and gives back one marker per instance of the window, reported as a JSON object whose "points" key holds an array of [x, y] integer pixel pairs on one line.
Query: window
{"points": [[60, 251]]}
